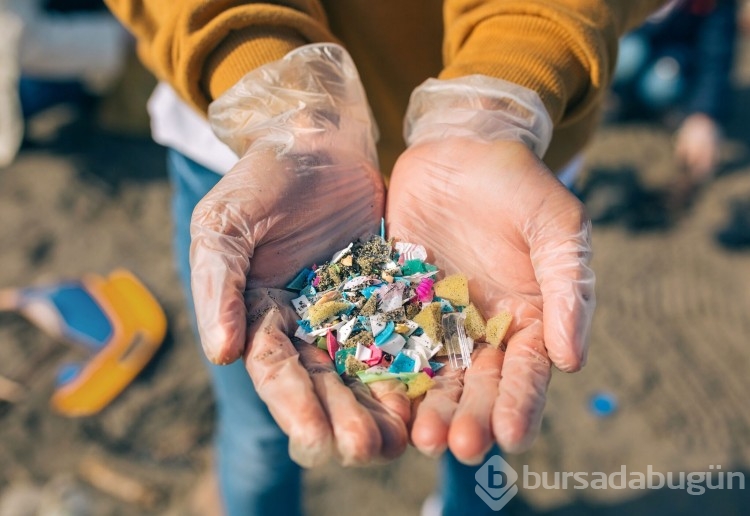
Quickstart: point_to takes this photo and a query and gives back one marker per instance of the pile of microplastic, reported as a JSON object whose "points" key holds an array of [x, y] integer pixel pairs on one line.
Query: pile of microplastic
{"points": [[378, 311]]}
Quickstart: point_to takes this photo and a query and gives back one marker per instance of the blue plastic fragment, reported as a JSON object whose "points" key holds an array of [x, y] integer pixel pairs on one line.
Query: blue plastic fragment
{"points": [[384, 335], [305, 325], [413, 266], [435, 366], [341, 355], [367, 291], [402, 364], [299, 281], [309, 292], [446, 306], [603, 404]]}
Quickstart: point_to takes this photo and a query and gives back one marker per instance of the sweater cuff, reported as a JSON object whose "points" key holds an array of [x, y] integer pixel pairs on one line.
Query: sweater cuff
{"points": [[241, 52], [556, 72]]}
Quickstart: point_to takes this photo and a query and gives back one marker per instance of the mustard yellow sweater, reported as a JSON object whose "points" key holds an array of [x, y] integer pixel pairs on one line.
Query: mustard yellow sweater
{"points": [[563, 49]]}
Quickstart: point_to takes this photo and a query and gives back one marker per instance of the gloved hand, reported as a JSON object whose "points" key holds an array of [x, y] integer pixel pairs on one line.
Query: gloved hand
{"points": [[306, 185], [471, 189]]}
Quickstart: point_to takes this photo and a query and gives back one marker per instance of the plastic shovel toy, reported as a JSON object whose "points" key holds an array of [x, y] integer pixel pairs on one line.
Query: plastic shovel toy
{"points": [[115, 318]]}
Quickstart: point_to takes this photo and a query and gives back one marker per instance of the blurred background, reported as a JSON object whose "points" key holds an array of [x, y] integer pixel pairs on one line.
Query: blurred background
{"points": [[666, 180]]}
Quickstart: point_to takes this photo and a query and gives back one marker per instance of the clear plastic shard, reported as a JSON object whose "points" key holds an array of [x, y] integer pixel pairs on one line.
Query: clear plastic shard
{"points": [[458, 345]]}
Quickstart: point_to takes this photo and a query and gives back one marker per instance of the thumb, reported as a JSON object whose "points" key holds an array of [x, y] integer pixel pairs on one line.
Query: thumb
{"points": [[219, 263]]}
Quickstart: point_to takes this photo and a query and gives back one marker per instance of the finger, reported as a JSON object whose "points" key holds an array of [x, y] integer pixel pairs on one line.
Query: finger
{"points": [[357, 439], [526, 372], [390, 408], [470, 436], [432, 414], [282, 382], [219, 264], [561, 260]]}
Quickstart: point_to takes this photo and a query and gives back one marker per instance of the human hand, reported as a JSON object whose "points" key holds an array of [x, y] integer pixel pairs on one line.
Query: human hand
{"points": [[489, 208], [696, 148], [307, 184]]}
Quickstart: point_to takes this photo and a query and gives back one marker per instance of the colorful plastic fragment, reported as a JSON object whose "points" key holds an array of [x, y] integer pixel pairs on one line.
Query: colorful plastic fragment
{"points": [[377, 310]]}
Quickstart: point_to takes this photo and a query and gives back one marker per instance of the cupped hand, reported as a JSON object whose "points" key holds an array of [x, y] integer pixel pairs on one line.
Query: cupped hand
{"points": [[307, 185], [494, 212], [264, 221]]}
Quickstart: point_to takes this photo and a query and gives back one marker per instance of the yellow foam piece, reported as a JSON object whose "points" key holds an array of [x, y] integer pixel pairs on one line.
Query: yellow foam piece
{"points": [[497, 327], [476, 326], [430, 320], [321, 312], [454, 288], [419, 385]]}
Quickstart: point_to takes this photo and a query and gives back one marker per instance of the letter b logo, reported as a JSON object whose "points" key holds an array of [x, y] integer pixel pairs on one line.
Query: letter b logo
{"points": [[496, 482]]}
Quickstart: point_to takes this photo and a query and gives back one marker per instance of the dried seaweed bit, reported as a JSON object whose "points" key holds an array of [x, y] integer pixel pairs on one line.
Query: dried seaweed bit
{"points": [[363, 337], [328, 277], [369, 307], [352, 365], [397, 315], [371, 254], [411, 309]]}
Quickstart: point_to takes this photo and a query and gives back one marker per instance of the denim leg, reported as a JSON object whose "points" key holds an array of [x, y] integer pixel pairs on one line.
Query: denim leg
{"points": [[256, 475], [457, 486]]}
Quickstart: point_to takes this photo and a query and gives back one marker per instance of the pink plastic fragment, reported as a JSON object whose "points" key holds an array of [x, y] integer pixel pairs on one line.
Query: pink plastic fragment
{"points": [[428, 371], [333, 344], [377, 356], [316, 281], [424, 290]]}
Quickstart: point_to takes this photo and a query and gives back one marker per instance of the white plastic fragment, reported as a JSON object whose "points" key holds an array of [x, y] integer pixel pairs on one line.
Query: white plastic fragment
{"points": [[362, 353], [324, 329], [420, 360], [394, 344], [424, 342], [340, 254], [391, 297], [359, 280], [303, 335], [301, 304], [377, 323], [411, 251], [345, 331]]}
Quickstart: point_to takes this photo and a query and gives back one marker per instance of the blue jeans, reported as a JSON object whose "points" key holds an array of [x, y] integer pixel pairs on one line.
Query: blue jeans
{"points": [[256, 475]]}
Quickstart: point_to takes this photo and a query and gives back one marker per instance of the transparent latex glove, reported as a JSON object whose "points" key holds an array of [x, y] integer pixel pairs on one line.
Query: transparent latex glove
{"points": [[697, 145], [306, 185], [471, 188]]}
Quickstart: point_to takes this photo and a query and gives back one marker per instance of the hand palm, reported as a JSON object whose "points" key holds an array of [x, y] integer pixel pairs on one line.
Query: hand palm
{"points": [[496, 214]]}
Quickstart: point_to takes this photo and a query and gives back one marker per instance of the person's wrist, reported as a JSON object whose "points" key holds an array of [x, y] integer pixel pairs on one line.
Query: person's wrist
{"points": [[477, 107], [312, 98]]}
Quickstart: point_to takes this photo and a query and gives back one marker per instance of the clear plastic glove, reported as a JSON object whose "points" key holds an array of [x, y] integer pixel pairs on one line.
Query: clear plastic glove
{"points": [[306, 185], [697, 145], [471, 188]]}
